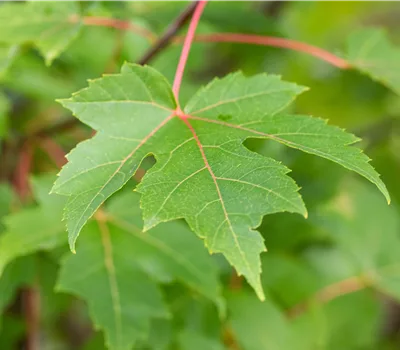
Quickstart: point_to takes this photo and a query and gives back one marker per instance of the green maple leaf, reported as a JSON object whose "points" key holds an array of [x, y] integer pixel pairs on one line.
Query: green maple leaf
{"points": [[123, 264], [122, 298], [203, 172], [33, 229], [370, 51], [48, 25], [358, 215]]}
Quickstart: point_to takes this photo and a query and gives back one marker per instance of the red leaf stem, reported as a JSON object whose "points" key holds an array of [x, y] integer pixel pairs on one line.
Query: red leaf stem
{"points": [[275, 42], [186, 47]]}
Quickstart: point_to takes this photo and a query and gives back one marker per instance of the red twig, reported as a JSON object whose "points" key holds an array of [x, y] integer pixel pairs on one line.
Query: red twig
{"points": [[54, 151], [236, 281], [333, 291], [117, 24], [31, 300], [228, 38], [186, 47], [30, 296], [275, 42], [21, 175]]}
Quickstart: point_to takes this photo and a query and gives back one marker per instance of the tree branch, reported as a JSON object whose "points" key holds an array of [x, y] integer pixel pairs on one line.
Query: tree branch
{"points": [[172, 29]]}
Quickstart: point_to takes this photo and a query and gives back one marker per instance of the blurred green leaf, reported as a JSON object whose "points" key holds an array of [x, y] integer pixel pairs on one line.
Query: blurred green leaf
{"points": [[349, 322], [33, 229], [48, 25], [18, 273], [7, 54], [118, 248], [4, 109], [366, 231], [122, 307], [191, 340], [13, 330], [370, 51], [260, 325]]}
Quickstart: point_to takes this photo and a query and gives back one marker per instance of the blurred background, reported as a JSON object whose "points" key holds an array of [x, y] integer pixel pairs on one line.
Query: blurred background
{"points": [[332, 281]]}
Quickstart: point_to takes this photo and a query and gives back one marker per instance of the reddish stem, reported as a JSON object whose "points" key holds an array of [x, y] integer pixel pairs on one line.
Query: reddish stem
{"points": [[117, 24], [275, 42], [21, 175], [31, 299], [186, 47], [225, 37], [330, 292], [54, 151]]}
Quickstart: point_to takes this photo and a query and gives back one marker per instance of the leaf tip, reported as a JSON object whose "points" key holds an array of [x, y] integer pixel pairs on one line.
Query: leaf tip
{"points": [[71, 242], [260, 293], [150, 223], [381, 186]]}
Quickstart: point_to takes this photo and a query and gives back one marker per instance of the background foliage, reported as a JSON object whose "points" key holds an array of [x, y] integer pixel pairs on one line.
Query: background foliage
{"points": [[331, 281]]}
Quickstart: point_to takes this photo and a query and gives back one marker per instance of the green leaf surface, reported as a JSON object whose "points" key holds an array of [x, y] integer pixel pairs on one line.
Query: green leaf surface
{"points": [[167, 252], [259, 325], [7, 54], [14, 328], [115, 247], [48, 25], [366, 233], [92, 175], [20, 272], [33, 229], [191, 340], [4, 108], [203, 172], [371, 51], [122, 298], [350, 321]]}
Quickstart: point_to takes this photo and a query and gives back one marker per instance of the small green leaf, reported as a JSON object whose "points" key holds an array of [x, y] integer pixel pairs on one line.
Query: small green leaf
{"points": [[32, 229], [370, 51], [122, 298], [51, 26]]}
